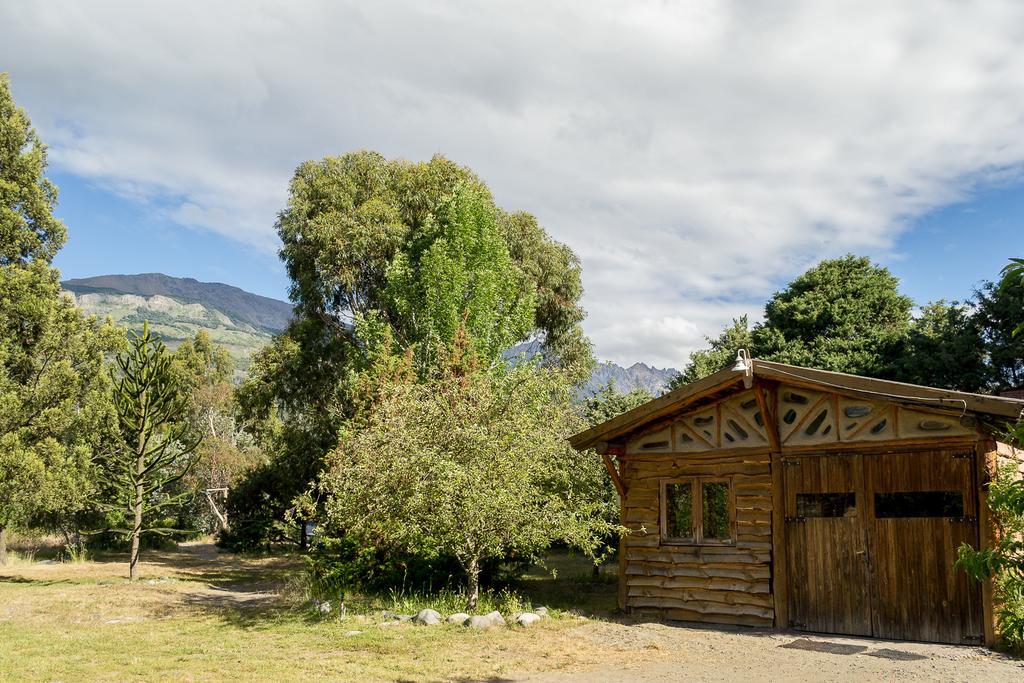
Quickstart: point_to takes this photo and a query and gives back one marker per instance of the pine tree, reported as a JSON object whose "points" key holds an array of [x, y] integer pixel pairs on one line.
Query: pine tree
{"points": [[154, 446]]}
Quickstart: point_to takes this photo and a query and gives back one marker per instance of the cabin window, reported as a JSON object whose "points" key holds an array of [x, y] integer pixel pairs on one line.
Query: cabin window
{"points": [[826, 504], [697, 510], [679, 511], [919, 504]]}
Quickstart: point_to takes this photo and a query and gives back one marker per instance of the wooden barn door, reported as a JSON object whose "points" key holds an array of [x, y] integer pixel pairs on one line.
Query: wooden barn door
{"points": [[923, 507], [826, 544]]}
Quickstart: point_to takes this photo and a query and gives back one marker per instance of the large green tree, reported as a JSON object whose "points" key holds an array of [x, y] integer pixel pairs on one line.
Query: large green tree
{"points": [[471, 464], [845, 315], [1000, 308], [54, 400], [393, 258], [944, 348]]}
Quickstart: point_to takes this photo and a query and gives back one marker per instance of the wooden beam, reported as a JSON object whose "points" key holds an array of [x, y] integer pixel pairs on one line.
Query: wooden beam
{"points": [[780, 558], [987, 463], [771, 422], [614, 474]]}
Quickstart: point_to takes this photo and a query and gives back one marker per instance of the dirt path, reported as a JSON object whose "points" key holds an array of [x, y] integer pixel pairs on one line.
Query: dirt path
{"points": [[662, 653], [204, 560]]}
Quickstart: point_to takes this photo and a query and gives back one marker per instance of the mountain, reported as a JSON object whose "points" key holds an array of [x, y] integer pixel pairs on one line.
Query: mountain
{"points": [[177, 308], [636, 376], [261, 312]]}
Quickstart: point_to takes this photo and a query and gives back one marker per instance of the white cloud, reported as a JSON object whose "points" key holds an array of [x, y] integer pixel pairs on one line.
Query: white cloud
{"points": [[694, 154]]}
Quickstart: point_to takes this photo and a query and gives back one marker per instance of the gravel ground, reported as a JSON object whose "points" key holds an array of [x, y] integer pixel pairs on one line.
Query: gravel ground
{"points": [[660, 652]]}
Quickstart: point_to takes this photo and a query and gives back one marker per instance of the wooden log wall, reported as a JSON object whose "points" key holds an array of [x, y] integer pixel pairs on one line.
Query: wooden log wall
{"points": [[725, 584]]}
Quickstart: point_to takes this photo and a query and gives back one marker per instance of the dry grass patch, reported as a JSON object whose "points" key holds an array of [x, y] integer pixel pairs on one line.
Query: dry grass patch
{"points": [[201, 616]]}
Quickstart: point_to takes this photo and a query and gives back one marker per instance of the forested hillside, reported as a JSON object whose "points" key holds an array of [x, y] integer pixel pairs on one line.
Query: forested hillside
{"points": [[243, 322]]}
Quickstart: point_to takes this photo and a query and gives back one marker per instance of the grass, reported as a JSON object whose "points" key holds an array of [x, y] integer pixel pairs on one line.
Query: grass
{"points": [[200, 615]]}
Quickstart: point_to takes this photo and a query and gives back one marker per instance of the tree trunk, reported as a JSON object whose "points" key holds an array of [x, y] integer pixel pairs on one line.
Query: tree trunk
{"points": [[472, 584], [3, 544], [133, 559], [140, 491]]}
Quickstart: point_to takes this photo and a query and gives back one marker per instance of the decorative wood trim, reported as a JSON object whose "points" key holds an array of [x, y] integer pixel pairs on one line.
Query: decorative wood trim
{"points": [[771, 421], [884, 414], [659, 407], [800, 423], [718, 424], [693, 432], [842, 382], [925, 398], [836, 422]]}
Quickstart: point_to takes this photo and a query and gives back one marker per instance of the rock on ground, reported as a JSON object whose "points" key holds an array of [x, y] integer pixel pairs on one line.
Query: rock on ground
{"points": [[458, 618], [527, 619], [427, 617], [486, 621]]}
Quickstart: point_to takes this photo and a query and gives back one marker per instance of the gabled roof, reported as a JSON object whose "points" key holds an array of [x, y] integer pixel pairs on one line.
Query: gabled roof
{"points": [[725, 380]]}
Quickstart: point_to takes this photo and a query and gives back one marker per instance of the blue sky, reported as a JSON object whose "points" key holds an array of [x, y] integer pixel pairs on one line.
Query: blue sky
{"points": [[945, 254], [111, 234], [696, 155]]}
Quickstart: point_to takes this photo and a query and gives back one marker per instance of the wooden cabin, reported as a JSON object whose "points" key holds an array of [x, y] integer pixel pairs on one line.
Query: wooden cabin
{"points": [[772, 495]]}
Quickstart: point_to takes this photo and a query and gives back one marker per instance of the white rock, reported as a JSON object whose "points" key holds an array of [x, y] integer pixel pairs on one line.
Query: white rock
{"points": [[527, 619], [486, 621], [541, 612], [324, 607], [458, 618], [427, 617]]}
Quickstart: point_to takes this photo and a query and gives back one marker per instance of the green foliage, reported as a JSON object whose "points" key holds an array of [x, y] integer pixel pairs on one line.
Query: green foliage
{"points": [[1005, 561], [391, 262], [460, 279], [607, 403], [29, 232], [226, 452], [720, 354], [844, 315], [847, 315], [154, 445], [603, 405], [944, 348], [54, 404], [472, 465], [1015, 271], [1000, 307]]}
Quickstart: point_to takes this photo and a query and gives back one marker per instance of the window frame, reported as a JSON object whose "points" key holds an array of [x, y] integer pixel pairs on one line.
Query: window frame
{"points": [[697, 513]]}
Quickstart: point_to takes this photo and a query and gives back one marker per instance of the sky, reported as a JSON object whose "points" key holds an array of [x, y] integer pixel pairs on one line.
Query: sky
{"points": [[696, 155]]}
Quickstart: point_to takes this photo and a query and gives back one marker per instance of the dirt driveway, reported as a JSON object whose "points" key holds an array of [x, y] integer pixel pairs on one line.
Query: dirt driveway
{"points": [[658, 652]]}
